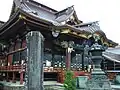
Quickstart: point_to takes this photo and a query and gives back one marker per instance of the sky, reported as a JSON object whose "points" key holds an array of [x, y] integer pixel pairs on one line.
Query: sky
{"points": [[107, 12]]}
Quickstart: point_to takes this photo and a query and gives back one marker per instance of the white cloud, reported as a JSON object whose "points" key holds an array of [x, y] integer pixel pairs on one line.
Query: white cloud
{"points": [[105, 11]]}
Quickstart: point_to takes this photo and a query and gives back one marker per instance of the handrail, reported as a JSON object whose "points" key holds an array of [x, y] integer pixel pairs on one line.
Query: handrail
{"points": [[12, 68], [20, 67], [52, 69], [18, 50]]}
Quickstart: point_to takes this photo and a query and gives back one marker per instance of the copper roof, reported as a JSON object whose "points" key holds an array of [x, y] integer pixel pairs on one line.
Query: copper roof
{"points": [[112, 54], [90, 27], [55, 17], [1, 23], [41, 13]]}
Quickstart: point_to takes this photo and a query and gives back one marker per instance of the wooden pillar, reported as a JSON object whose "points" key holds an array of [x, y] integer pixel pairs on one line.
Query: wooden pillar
{"points": [[68, 58], [34, 60], [7, 77], [21, 75], [114, 65], [13, 78], [83, 61], [52, 63]]}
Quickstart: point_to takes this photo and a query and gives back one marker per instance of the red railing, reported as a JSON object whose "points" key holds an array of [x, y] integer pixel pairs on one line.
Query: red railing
{"points": [[12, 68]]}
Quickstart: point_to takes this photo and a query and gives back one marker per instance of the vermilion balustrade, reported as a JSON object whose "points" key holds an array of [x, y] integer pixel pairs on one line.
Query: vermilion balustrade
{"points": [[11, 68]]}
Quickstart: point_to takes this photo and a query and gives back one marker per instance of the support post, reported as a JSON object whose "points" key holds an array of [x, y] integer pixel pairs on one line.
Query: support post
{"points": [[21, 75], [34, 60], [13, 78], [7, 77], [52, 63], [83, 61], [68, 58], [114, 65]]}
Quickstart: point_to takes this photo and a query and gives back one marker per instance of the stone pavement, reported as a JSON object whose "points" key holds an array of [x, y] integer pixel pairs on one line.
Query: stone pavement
{"points": [[48, 85], [116, 87]]}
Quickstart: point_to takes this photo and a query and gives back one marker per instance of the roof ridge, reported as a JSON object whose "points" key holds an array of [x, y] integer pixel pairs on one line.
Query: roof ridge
{"points": [[87, 23], [42, 5], [2, 22], [65, 9]]}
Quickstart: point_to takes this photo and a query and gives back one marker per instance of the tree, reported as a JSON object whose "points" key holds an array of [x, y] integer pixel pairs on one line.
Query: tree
{"points": [[69, 82]]}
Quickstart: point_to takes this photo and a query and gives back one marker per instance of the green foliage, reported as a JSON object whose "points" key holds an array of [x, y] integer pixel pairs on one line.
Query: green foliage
{"points": [[69, 82]]}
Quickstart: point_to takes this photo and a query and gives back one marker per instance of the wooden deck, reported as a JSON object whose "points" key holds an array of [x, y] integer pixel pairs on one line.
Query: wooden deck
{"points": [[21, 70]]}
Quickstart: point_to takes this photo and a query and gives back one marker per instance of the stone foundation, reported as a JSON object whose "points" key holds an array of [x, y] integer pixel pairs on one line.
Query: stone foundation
{"points": [[13, 88], [48, 85]]}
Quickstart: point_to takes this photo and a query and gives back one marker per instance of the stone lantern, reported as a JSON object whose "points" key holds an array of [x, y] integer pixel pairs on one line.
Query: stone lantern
{"points": [[99, 80], [96, 56]]}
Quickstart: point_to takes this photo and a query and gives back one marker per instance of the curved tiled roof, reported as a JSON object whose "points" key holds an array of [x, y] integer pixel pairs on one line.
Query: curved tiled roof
{"points": [[64, 14], [58, 19], [54, 17], [89, 27], [1, 23], [113, 54], [43, 12]]}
